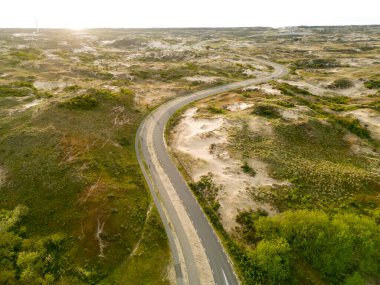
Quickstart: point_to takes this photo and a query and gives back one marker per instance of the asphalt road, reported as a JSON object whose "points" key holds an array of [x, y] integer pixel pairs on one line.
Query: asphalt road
{"points": [[151, 150]]}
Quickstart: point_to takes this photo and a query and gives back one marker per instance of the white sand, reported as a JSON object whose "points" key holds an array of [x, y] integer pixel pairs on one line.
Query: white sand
{"points": [[370, 119], [267, 88], [49, 85], [194, 137], [85, 49], [239, 106], [201, 79]]}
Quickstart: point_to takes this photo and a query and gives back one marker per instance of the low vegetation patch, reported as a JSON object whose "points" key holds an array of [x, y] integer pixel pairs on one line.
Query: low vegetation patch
{"points": [[317, 63], [342, 83], [72, 88], [17, 89], [248, 169], [26, 54], [82, 102], [215, 110], [207, 191], [265, 110], [372, 84], [353, 125]]}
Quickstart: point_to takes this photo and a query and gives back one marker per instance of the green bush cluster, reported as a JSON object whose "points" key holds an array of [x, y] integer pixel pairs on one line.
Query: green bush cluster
{"points": [[248, 169], [207, 191], [26, 54], [372, 84], [24, 261], [266, 110], [343, 248], [291, 90], [17, 89], [93, 97], [215, 110], [72, 88], [342, 83], [317, 63], [82, 102]]}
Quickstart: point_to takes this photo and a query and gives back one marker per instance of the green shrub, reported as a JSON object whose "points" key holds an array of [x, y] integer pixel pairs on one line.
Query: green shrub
{"points": [[342, 83], [72, 88], [26, 261], [372, 84], [82, 102], [268, 111], [127, 92], [17, 89], [207, 190], [355, 279], [291, 90], [317, 63], [248, 169], [215, 110], [272, 258]]}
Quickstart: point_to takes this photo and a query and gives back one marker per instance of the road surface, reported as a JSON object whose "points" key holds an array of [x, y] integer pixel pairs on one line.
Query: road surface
{"points": [[198, 255]]}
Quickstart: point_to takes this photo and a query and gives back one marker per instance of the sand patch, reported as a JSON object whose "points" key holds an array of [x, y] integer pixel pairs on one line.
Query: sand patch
{"points": [[85, 49], [150, 95], [204, 143], [267, 88], [32, 104], [250, 72], [260, 126], [239, 106], [296, 113], [357, 146], [202, 79], [49, 85]]}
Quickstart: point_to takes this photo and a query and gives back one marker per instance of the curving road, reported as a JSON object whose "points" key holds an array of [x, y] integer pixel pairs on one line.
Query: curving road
{"points": [[175, 201]]}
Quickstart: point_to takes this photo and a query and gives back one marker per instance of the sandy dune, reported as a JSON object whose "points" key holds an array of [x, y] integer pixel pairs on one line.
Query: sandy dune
{"points": [[203, 142]]}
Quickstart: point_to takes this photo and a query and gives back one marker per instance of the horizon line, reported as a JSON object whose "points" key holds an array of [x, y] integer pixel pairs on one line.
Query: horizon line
{"points": [[194, 27]]}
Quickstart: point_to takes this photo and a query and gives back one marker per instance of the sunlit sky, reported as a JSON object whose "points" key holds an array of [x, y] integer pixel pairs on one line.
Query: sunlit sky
{"points": [[77, 14]]}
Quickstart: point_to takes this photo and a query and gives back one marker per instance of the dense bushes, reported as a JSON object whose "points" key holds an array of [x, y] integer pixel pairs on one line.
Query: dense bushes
{"points": [[372, 84], [268, 111], [248, 169], [272, 259], [317, 63], [341, 83], [93, 97], [343, 247], [291, 90], [82, 102], [207, 191], [24, 261], [17, 89]]}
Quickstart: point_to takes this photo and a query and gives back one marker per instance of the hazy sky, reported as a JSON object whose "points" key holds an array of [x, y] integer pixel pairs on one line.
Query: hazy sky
{"points": [[186, 13]]}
